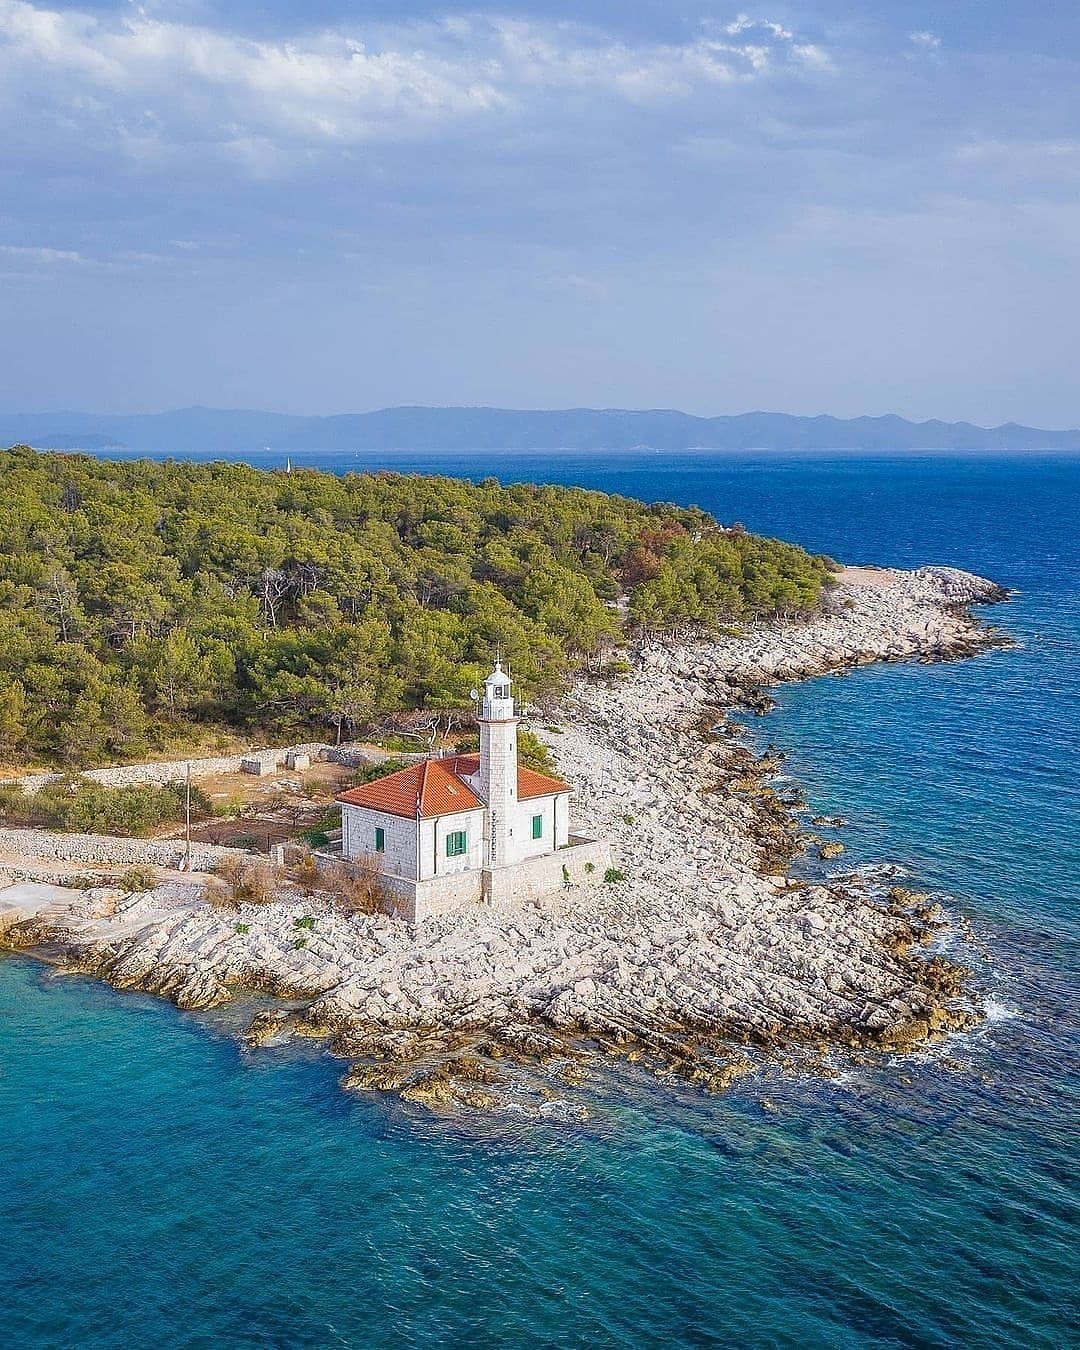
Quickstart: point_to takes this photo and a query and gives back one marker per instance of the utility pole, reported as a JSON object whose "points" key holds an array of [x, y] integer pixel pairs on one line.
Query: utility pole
{"points": [[187, 818]]}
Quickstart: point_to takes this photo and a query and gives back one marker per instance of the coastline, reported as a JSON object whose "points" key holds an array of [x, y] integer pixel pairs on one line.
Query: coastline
{"points": [[704, 949]]}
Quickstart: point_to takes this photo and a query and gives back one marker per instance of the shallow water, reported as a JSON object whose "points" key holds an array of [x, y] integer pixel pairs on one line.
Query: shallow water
{"points": [[160, 1185]]}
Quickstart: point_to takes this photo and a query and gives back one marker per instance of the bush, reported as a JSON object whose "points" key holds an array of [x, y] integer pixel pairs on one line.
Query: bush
{"points": [[82, 881], [533, 753], [369, 772], [243, 881], [139, 878], [614, 874], [399, 742], [306, 868], [85, 807], [356, 885]]}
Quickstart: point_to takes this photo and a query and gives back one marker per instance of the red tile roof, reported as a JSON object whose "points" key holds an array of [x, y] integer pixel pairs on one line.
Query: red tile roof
{"points": [[435, 787], [530, 783], [426, 789]]}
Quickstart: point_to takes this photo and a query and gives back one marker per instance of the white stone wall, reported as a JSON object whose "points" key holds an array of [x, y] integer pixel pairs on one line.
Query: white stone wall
{"points": [[411, 852], [173, 771], [358, 826], [434, 861], [103, 848], [555, 825], [562, 820], [415, 901], [585, 863]]}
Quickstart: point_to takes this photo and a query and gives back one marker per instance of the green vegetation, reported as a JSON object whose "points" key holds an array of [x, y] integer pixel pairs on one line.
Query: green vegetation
{"points": [[614, 874], [143, 603], [84, 806], [367, 773], [139, 878]]}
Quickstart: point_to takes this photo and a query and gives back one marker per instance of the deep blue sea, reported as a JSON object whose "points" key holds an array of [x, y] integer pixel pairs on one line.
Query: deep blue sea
{"points": [[163, 1187]]}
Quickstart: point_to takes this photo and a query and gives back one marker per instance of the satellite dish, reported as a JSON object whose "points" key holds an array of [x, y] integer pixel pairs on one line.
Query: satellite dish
{"points": [[474, 694]]}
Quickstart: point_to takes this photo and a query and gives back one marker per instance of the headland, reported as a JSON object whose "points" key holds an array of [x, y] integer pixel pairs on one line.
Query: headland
{"points": [[697, 955]]}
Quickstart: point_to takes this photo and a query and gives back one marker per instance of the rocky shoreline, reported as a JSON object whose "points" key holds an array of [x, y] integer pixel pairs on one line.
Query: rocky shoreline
{"points": [[703, 953]]}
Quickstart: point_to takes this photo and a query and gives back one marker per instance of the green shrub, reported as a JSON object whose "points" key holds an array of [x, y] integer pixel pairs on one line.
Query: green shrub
{"points": [[394, 741], [85, 807], [306, 922], [139, 878], [614, 874], [368, 773], [533, 753], [83, 881]]}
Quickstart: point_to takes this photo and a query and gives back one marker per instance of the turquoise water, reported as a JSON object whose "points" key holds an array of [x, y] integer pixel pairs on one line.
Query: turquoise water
{"points": [[161, 1186]]}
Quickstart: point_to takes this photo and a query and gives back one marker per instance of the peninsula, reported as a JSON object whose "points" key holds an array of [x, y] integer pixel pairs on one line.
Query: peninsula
{"points": [[694, 953]]}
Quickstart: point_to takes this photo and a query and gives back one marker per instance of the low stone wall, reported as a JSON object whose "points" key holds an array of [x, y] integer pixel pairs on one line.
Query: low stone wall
{"points": [[354, 756], [103, 848], [582, 863], [537, 877], [33, 782], [174, 771], [415, 901]]}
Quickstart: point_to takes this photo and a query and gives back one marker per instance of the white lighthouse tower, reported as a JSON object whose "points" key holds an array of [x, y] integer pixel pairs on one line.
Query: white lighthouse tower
{"points": [[498, 765]]}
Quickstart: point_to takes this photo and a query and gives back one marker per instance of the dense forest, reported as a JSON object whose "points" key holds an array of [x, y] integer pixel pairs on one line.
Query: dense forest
{"points": [[142, 601]]}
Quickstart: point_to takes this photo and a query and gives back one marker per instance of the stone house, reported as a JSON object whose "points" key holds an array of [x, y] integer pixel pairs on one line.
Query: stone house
{"points": [[468, 829]]}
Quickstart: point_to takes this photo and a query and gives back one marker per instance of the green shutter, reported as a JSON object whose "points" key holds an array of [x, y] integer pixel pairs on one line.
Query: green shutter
{"points": [[457, 844], [538, 827], [380, 839]]}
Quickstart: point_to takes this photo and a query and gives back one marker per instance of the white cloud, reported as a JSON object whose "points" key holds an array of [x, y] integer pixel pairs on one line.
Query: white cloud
{"points": [[152, 85], [929, 42], [46, 257]]}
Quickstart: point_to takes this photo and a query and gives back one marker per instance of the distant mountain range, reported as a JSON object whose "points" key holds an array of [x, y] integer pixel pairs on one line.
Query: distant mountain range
{"points": [[421, 429]]}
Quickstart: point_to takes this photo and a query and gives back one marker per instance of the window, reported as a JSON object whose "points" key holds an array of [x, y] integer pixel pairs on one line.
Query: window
{"points": [[457, 843], [380, 840], [538, 827]]}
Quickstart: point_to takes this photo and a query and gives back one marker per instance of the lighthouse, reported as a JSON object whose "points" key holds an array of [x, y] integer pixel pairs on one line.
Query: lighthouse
{"points": [[498, 766]]}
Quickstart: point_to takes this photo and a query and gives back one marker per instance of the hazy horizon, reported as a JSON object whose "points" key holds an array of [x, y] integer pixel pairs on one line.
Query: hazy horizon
{"points": [[542, 205], [643, 410]]}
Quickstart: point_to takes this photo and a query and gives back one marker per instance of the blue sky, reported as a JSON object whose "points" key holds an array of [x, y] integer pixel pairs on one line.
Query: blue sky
{"points": [[319, 207]]}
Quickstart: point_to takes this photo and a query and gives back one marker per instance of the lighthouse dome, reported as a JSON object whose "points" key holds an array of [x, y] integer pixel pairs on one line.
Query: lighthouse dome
{"points": [[498, 704]]}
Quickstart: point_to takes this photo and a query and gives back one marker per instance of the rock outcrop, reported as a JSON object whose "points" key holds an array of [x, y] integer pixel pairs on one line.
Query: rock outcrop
{"points": [[697, 947]]}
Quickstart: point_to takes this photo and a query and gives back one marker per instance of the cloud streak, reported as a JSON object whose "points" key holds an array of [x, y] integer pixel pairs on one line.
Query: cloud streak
{"points": [[150, 84]]}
